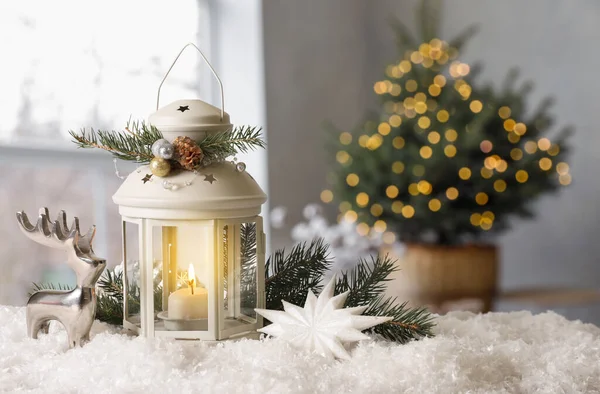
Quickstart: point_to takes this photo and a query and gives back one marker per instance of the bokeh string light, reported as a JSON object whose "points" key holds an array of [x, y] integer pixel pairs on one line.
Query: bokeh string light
{"points": [[483, 146]]}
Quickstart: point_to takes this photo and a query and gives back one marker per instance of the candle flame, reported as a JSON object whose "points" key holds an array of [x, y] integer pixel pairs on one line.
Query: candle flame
{"points": [[191, 278]]}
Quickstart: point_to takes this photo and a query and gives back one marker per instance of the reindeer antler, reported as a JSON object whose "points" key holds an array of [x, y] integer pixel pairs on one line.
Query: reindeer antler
{"points": [[54, 234]]}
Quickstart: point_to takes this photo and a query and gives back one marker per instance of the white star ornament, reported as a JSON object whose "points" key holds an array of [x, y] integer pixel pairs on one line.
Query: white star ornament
{"points": [[323, 325]]}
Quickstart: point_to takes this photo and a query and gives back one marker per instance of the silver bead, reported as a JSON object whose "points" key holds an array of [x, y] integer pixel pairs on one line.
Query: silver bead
{"points": [[157, 145], [240, 167], [166, 151], [174, 187], [167, 184]]}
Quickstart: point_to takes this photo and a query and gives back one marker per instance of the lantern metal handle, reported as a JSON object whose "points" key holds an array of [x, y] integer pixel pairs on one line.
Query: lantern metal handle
{"points": [[209, 66]]}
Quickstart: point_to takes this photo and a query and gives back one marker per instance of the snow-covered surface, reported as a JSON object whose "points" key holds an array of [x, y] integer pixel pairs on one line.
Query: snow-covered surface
{"points": [[498, 352]]}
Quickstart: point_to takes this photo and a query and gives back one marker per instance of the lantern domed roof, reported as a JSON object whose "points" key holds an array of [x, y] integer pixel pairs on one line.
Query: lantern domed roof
{"points": [[217, 191], [189, 118]]}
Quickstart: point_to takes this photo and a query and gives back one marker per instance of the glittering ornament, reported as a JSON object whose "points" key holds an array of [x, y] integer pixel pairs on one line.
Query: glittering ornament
{"points": [[159, 144], [187, 153], [166, 151], [240, 167], [160, 167], [322, 326]]}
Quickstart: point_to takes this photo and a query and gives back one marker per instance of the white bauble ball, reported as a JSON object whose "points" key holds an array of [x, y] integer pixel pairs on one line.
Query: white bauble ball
{"points": [[157, 145], [166, 151]]}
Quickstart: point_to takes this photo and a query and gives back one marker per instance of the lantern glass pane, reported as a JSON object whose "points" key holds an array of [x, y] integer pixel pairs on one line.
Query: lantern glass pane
{"points": [[227, 252], [240, 287], [130, 276], [248, 265], [183, 264]]}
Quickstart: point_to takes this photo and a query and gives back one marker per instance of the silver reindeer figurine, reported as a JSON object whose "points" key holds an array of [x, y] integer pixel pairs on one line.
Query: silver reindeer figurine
{"points": [[74, 309]]}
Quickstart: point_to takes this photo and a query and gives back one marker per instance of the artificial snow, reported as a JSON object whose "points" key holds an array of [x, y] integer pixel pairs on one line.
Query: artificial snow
{"points": [[493, 353]]}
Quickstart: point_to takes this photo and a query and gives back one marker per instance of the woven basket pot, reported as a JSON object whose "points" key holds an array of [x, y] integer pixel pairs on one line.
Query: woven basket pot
{"points": [[433, 275]]}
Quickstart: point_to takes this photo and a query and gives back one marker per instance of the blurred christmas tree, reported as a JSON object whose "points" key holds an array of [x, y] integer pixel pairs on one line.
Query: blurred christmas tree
{"points": [[445, 161]]}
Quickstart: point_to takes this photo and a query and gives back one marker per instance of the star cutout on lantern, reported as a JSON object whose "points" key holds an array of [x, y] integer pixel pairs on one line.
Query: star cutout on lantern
{"points": [[323, 325], [183, 108], [209, 178], [146, 178]]}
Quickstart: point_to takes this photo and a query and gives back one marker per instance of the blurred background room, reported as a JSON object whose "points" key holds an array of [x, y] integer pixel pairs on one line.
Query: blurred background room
{"points": [[459, 136]]}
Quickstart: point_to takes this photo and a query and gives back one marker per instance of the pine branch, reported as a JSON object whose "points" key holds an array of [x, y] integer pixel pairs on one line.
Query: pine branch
{"points": [[404, 38], [111, 284], [289, 277], [366, 281], [219, 146], [248, 268], [366, 284], [459, 41], [408, 324], [109, 310], [510, 80], [134, 144], [248, 243], [429, 11]]}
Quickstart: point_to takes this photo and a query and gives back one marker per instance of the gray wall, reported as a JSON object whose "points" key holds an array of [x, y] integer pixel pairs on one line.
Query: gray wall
{"points": [[322, 58], [315, 62]]}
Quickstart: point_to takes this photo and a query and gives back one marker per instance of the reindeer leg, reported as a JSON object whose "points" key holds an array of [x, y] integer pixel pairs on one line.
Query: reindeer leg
{"points": [[35, 326], [45, 327], [31, 333], [76, 339], [32, 330], [84, 336], [33, 323], [73, 339]]}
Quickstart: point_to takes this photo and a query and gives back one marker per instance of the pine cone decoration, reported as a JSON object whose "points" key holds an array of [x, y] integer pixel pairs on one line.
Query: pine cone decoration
{"points": [[187, 153]]}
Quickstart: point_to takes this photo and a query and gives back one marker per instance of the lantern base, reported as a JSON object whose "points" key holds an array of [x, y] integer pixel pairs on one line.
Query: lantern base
{"points": [[183, 324]]}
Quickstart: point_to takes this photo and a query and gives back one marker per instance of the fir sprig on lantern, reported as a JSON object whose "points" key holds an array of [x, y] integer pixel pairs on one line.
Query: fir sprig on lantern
{"points": [[134, 144], [445, 160], [144, 143]]}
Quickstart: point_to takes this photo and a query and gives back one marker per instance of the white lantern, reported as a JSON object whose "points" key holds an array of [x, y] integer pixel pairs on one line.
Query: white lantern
{"points": [[193, 247]]}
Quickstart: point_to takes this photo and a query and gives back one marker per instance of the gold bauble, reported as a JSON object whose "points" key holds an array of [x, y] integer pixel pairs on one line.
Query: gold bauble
{"points": [[160, 167]]}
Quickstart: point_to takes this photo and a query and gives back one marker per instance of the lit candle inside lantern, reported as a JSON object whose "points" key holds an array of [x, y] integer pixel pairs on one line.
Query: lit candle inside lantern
{"points": [[189, 303]]}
